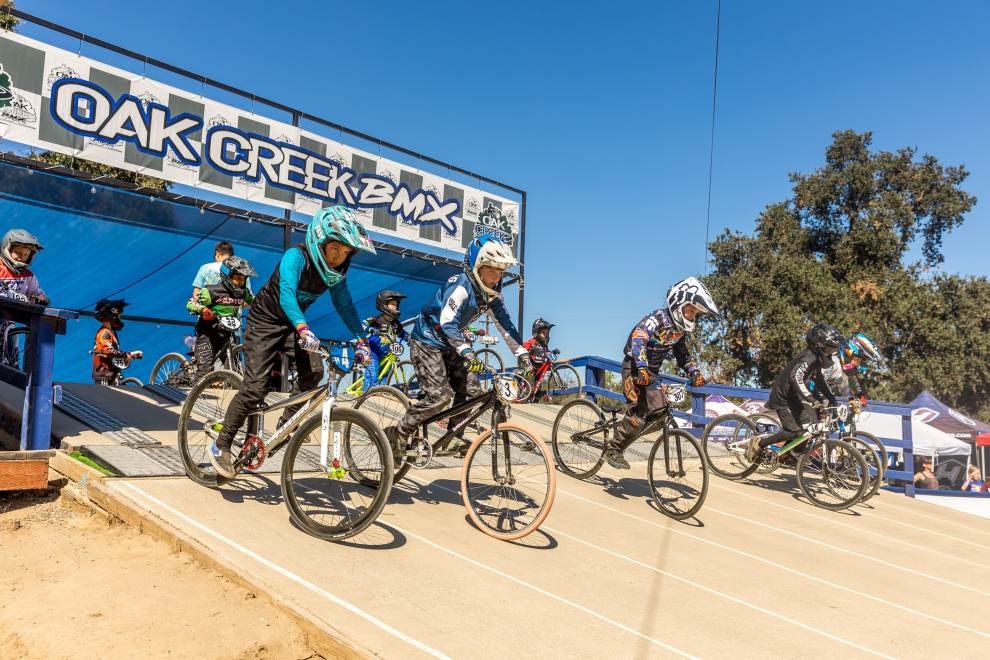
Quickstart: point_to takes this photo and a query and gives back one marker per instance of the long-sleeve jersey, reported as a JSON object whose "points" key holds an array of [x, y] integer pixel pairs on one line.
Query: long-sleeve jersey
{"points": [[105, 347], [442, 321], [293, 287], [22, 286], [793, 382], [380, 332], [538, 349], [217, 298], [656, 339]]}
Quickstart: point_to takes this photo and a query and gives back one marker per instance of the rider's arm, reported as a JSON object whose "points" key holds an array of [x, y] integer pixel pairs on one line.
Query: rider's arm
{"points": [[290, 269], [106, 344], [451, 319], [200, 280], [797, 376], [828, 386], [202, 300], [341, 297], [684, 359], [505, 326]]}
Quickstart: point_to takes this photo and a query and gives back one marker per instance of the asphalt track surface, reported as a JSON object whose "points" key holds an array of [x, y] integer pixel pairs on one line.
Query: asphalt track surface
{"points": [[759, 572]]}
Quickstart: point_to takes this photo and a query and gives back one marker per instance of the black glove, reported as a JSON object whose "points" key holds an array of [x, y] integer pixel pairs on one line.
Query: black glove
{"points": [[43, 300]]}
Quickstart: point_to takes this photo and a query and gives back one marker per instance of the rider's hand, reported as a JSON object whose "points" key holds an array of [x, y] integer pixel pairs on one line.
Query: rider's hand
{"points": [[862, 401], [472, 363], [43, 300], [698, 380], [308, 341], [855, 406], [525, 363], [207, 314], [362, 354], [136, 355], [643, 376]]}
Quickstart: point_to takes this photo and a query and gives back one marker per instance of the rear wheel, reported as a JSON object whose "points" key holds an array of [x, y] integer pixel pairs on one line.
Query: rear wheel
{"points": [[579, 437], [384, 406], [201, 419], [508, 493], [833, 475], [328, 503], [493, 363], [725, 441], [678, 474], [766, 423]]}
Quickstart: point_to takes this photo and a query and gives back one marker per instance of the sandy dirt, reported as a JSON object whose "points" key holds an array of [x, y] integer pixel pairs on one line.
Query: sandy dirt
{"points": [[74, 585]]}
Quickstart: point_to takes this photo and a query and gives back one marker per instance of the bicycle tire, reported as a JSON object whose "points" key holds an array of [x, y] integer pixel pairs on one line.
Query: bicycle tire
{"points": [[18, 354], [872, 464], [828, 449], [527, 444], [196, 462], [655, 468], [563, 377], [236, 359], [384, 415], [292, 491], [877, 446], [729, 450], [131, 382], [584, 460], [162, 376]]}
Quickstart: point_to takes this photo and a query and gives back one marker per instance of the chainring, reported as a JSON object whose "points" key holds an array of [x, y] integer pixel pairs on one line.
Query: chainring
{"points": [[254, 450]]}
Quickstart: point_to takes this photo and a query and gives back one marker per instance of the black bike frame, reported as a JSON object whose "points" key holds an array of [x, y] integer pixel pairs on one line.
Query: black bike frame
{"points": [[660, 419]]}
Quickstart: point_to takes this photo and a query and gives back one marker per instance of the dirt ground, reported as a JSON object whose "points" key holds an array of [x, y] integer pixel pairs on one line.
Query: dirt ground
{"points": [[73, 585]]}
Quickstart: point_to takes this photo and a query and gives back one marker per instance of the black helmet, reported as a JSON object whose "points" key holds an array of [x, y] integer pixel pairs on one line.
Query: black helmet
{"points": [[824, 340], [237, 265], [18, 237], [381, 302], [541, 323], [110, 310]]}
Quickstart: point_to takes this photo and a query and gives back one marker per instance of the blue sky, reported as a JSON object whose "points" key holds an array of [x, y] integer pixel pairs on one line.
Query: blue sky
{"points": [[601, 112]]}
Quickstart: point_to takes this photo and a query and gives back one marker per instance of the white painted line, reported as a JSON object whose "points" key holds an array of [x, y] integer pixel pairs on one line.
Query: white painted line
{"points": [[781, 567], [804, 511], [812, 629], [544, 592], [337, 600]]}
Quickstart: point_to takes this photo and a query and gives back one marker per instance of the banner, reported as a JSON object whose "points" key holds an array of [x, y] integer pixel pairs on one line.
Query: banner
{"points": [[57, 100]]}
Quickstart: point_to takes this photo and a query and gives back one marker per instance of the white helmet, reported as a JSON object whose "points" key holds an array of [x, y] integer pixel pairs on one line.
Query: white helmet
{"points": [[689, 292], [487, 251]]}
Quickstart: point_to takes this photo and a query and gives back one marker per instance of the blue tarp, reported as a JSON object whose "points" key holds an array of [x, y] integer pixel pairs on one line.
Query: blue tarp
{"points": [[104, 242]]}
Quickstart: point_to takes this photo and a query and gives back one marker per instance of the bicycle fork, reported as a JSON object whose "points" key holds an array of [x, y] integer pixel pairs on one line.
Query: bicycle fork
{"points": [[331, 466]]}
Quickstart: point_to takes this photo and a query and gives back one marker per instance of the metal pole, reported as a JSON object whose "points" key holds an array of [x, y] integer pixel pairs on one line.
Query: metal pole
{"points": [[522, 257], [38, 399]]}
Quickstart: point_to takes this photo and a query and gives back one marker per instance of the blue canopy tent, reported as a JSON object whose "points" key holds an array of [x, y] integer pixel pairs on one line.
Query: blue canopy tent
{"points": [[103, 241], [951, 421]]}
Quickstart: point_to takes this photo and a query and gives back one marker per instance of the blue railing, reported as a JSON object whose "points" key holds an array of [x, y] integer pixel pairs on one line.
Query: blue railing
{"points": [[36, 379], [595, 368]]}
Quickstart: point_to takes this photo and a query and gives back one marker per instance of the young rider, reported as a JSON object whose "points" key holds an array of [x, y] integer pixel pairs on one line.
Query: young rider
{"points": [[446, 366], [216, 301], [106, 346], [16, 279], [660, 335], [381, 331], [277, 313], [538, 345], [860, 357], [797, 405]]}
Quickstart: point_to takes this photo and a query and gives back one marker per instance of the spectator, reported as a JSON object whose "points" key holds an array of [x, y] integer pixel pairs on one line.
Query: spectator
{"points": [[974, 481], [209, 273], [925, 478]]}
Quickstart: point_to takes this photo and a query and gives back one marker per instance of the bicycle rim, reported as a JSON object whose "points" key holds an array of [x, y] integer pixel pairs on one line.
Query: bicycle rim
{"points": [[833, 475], [725, 441], [678, 475], [170, 370], [578, 452], [384, 406], [502, 508], [202, 412], [564, 377], [333, 506]]}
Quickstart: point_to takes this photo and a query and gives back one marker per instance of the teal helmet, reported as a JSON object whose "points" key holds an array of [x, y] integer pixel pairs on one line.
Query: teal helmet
{"points": [[335, 223]]}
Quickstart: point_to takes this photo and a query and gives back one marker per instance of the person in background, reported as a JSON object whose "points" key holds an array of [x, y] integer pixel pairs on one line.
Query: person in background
{"points": [[17, 282], [216, 301], [209, 273], [925, 478], [106, 346], [381, 331], [974, 480]]}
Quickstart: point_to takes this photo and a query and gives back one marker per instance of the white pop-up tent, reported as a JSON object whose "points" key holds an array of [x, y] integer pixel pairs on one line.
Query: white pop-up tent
{"points": [[928, 440]]}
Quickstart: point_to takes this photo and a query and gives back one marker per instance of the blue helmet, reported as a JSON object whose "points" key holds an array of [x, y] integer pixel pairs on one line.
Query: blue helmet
{"points": [[335, 223], [486, 251]]}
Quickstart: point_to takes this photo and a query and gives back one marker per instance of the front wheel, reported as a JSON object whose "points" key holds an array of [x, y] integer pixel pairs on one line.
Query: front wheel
{"points": [[833, 475], [508, 491], [319, 487], [725, 441], [874, 466], [579, 437], [404, 379], [678, 474], [563, 378], [385, 406]]}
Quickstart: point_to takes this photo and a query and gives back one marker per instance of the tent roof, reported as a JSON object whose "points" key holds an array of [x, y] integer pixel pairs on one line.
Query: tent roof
{"points": [[947, 419], [927, 440]]}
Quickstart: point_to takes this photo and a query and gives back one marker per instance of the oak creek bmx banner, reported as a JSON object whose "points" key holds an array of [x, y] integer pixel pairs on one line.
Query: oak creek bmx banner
{"points": [[57, 100]]}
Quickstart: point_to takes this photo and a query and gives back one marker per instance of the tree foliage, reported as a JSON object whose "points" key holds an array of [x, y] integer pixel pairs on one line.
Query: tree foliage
{"points": [[838, 251]]}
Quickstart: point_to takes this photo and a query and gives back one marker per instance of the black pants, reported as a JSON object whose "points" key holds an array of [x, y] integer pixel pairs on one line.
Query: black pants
{"points": [[642, 400], [443, 378], [210, 340], [263, 345], [793, 418]]}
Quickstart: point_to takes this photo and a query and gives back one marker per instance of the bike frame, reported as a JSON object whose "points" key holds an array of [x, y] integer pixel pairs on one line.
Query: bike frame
{"points": [[660, 420], [385, 367]]}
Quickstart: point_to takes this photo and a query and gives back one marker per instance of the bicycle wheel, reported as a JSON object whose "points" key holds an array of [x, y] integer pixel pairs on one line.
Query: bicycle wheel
{"points": [[563, 377], [678, 474], [832, 475], [725, 441], [404, 379], [508, 506], [236, 359], [326, 503], [874, 443], [171, 369], [15, 350], [131, 382], [384, 406], [874, 468], [200, 421], [579, 437]]}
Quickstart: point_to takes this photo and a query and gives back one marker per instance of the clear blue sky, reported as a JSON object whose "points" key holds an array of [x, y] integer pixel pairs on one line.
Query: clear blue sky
{"points": [[602, 111]]}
